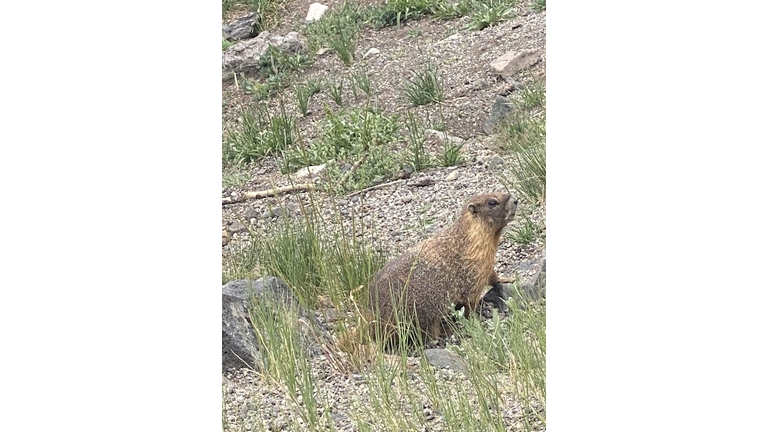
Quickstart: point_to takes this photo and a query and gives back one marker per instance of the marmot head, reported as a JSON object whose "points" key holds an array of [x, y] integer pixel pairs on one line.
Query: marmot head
{"points": [[494, 209]]}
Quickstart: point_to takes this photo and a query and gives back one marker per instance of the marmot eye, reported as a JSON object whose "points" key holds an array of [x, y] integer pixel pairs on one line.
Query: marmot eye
{"points": [[492, 202]]}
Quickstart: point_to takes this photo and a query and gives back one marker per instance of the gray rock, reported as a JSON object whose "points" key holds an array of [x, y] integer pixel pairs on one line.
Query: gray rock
{"points": [[535, 287], [274, 212], [250, 213], [421, 181], [495, 163], [310, 171], [500, 108], [242, 28], [497, 297], [371, 52], [244, 56], [530, 288], [442, 136], [316, 10], [441, 358], [238, 340], [512, 62], [239, 344], [236, 227]]}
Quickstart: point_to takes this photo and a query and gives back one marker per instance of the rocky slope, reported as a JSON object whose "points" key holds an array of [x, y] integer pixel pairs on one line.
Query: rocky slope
{"points": [[402, 211]]}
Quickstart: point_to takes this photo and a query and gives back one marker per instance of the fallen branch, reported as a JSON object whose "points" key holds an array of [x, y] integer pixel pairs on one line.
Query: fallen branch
{"points": [[267, 193]]}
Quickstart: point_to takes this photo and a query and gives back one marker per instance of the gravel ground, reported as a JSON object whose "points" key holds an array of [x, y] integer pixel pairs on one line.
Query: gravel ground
{"points": [[400, 213]]}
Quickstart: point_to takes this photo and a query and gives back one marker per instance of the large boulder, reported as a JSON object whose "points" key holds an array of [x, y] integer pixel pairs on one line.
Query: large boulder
{"points": [[238, 341], [244, 56], [239, 345]]}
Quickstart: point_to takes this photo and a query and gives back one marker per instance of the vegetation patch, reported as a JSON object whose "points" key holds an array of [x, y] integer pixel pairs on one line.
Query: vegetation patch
{"points": [[258, 134], [358, 142], [524, 134]]}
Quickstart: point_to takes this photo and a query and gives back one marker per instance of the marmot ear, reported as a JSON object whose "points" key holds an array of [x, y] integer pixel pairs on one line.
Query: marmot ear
{"points": [[472, 209]]}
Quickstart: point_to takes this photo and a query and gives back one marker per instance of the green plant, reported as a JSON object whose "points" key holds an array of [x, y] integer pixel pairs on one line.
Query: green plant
{"points": [[283, 353], [304, 92], [424, 87], [259, 90], [338, 30], [524, 133], [344, 48], [418, 158], [276, 63], [362, 81], [226, 6], [268, 10], [525, 137], [487, 15], [530, 172], [525, 230], [454, 9], [225, 44], [312, 260], [451, 154], [359, 140], [258, 134], [233, 176], [532, 96], [514, 346], [335, 89], [398, 12], [539, 5]]}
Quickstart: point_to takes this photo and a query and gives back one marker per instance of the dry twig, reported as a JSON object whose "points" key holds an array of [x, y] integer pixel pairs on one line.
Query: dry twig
{"points": [[267, 193]]}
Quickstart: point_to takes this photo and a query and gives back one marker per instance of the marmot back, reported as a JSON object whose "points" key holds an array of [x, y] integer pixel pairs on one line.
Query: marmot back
{"points": [[453, 266]]}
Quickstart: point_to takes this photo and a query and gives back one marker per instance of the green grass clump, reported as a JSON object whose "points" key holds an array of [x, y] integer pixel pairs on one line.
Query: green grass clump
{"points": [[525, 229], [399, 12], [362, 82], [451, 155], [335, 89], [234, 176], [487, 14], [305, 91], [284, 355], [275, 62], [258, 134], [424, 87], [338, 30], [312, 262], [509, 352], [524, 133], [418, 158], [359, 141]]}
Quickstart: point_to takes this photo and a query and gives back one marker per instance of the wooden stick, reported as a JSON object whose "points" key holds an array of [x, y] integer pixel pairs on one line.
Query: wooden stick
{"points": [[268, 193]]}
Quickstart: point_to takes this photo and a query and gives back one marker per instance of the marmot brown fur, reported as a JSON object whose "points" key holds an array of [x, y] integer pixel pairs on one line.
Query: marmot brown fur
{"points": [[452, 267]]}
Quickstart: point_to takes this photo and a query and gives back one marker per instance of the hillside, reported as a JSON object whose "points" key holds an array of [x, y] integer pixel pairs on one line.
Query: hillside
{"points": [[401, 138]]}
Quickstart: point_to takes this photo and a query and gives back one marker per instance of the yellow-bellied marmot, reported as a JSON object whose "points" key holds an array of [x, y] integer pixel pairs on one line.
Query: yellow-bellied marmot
{"points": [[452, 267]]}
